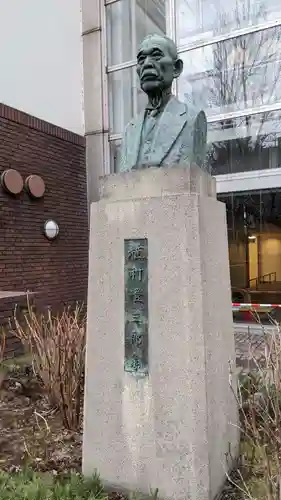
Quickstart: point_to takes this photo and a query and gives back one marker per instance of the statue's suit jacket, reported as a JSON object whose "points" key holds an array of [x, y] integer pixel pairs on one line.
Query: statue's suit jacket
{"points": [[179, 137]]}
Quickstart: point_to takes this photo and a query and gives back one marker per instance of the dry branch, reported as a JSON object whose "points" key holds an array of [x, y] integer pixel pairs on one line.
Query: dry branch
{"points": [[57, 347]]}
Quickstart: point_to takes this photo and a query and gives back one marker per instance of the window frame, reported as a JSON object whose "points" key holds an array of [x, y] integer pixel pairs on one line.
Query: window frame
{"points": [[226, 182]]}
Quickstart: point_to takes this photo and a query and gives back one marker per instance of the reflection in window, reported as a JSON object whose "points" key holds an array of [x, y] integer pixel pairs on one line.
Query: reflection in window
{"points": [[240, 73], [150, 18], [254, 238], [119, 31], [120, 87], [203, 19], [247, 143], [147, 17], [127, 24]]}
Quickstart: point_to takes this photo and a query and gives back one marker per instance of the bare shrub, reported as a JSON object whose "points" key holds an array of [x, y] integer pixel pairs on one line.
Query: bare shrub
{"points": [[2, 351], [2, 345], [259, 400], [57, 347]]}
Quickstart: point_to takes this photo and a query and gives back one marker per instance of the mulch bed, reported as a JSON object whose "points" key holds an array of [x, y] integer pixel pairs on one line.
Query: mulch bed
{"points": [[31, 432]]}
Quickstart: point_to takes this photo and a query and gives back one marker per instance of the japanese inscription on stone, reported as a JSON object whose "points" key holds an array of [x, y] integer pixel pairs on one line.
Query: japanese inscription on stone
{"points": [[136, 306]]}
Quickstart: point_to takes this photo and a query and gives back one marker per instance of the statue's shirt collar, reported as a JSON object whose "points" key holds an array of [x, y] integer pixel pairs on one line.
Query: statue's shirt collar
{"points": [[154, 110]]}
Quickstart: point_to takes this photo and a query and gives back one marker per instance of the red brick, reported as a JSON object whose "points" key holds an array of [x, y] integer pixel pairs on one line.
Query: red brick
{"points": [[28, 261]]}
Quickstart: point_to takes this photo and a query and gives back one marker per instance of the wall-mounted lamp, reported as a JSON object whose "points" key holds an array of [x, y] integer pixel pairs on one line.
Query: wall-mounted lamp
{"points": [[51, 229]]}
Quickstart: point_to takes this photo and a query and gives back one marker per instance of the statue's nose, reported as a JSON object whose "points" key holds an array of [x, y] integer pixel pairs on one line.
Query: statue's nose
{"points": [[148, 63]]}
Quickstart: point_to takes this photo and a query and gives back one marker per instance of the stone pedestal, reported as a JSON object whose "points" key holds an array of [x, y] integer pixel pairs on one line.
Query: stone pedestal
{"points": [[174, 428]]}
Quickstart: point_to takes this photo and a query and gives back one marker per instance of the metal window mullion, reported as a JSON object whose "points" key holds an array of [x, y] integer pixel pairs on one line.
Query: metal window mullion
{"points": [[108, 2], [105, 93], [245, 112], [106, 155], [227, 116], [170, 19], [171, 29], [249, 181], [115, 137], [248, 30], [212, 73], [119, 67], [134, 53]]}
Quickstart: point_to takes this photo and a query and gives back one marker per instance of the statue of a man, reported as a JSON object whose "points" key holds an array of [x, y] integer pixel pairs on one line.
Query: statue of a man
{"points": [[168, 132]]}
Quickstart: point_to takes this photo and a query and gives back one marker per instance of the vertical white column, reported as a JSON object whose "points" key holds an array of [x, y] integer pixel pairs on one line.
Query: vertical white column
{"points": [[94, 93]]}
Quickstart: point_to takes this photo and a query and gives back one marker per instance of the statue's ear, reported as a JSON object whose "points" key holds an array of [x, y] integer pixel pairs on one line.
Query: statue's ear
{"points": [[178, 68]]}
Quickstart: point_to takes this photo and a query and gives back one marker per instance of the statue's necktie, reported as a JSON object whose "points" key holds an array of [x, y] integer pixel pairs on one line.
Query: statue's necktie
{"points": [[149, 122]]}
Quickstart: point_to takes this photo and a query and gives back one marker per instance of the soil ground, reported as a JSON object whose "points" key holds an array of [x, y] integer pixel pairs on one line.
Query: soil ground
{"points": [[32, 434]]}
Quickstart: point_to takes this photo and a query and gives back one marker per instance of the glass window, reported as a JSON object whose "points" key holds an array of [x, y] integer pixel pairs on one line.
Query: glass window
{"points": [[247, 143], [115, 146], [124, 18], [121, 97], [150, 18], [203, 19], [235, 74], [119, 32], [254, 239]]}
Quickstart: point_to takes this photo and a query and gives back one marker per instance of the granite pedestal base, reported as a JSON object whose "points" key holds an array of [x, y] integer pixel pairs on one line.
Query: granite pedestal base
{"points": [[174, 428]]}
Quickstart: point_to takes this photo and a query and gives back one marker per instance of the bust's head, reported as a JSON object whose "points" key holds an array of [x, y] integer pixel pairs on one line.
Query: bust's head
{"points": [[158, 64]]}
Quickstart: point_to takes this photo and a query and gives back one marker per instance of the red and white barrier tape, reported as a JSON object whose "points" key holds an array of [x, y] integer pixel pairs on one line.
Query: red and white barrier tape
{"points": [[237, 306]]}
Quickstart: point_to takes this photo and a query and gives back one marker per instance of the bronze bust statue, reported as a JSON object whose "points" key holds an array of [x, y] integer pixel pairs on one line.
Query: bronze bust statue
{"points": [[168, 132]]}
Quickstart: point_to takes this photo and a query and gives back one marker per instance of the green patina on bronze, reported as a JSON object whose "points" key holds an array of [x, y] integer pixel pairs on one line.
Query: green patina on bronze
{"points": [[168, 132], [136, 306]]}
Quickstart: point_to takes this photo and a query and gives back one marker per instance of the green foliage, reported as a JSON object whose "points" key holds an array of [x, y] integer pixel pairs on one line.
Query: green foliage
{"points": [[28, 485], [138, 496]]}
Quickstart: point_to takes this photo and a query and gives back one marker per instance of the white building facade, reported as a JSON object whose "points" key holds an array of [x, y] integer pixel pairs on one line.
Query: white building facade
{"points": [[232, 69]]}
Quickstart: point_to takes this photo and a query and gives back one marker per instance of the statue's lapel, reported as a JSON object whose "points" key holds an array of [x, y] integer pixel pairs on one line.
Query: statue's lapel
{"points": [[168, 129], [134, 138]]}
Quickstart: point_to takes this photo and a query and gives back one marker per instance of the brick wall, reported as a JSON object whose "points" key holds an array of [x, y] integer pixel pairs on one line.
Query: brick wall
{"points": [[56, 270]]}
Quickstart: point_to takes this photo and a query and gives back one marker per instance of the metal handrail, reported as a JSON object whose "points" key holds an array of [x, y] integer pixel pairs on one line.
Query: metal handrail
{"points": [[262, 279]]}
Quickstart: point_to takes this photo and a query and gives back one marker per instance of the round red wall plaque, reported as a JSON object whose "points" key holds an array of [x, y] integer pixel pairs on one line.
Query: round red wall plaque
{"points": [[12, 181], [35, 186]]}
